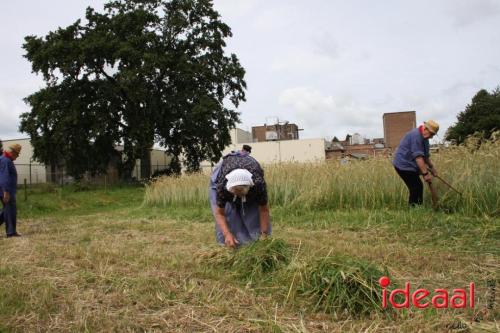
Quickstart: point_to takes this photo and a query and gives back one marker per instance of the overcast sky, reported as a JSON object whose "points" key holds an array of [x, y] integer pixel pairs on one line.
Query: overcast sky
{"points": [[331, 66]]}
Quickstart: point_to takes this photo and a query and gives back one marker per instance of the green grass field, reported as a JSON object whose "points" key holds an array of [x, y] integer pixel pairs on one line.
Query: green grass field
{"points": [[140, 259]]}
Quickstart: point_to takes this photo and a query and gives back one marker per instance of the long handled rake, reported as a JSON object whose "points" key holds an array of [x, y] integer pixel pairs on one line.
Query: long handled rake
{"points": [[434, 196], [447, 184]]}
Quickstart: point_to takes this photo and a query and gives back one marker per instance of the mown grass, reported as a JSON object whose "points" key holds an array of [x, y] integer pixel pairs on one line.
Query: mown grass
{"points": [[48, 200], [128, 267], [331, 284], [252, 262], [342, 285], [420, 226]]}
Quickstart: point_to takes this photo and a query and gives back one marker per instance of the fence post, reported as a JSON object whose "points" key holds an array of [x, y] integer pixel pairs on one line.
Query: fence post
{"points": [[105, 183], [30, 171], [25, 190]]}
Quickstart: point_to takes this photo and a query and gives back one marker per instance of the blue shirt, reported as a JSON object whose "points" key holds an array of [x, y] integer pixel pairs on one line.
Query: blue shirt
{"points": [[412, 145], [8, 176]]}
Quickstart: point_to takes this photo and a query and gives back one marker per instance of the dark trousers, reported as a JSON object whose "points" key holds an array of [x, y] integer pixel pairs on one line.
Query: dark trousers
{"points": [[414, 184], [9, 215]]}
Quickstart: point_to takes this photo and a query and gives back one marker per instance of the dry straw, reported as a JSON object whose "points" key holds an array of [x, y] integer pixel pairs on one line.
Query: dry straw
{"points": [[369, 184]]}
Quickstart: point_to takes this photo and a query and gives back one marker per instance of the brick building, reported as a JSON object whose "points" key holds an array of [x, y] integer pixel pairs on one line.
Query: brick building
{"points": [[276, 132], [368, 150], [396, 125]]}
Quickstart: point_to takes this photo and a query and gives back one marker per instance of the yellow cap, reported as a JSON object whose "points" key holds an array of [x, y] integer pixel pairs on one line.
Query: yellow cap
{"points": [[431, 126], [15, 148]]}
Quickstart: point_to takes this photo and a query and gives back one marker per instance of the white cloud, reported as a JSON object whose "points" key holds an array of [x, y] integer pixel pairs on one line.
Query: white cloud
{"points": [[325, 114], [326, 65], [326, 44], [467, 12], [338, 114], [12, 105], [302, 61], [270, 21], [238, 8], [10, 109]]}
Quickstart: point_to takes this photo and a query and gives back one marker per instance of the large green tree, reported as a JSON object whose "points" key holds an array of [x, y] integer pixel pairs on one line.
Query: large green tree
{"points": [[481, 116], [138, 73]]}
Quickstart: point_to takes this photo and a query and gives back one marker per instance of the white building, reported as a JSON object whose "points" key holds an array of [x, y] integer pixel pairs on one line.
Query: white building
{"points": [[35, 172], [357, 139], [269, 152], [27, 168], [240, 136]]}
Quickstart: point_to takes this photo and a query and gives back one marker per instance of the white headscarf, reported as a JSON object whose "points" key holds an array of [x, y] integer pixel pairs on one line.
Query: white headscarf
{"points": [[239, 177]]}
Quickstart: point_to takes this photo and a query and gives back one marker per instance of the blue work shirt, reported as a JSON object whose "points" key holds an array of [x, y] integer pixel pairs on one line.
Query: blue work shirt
{"points": [[412, 145], [8, 176]]}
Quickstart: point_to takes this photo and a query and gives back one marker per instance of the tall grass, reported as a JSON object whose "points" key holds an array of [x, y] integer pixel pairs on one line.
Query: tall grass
{"points": [[189, 190], [370, 184]]}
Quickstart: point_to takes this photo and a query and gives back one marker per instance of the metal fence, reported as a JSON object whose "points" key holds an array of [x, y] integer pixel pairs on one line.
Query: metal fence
{"points": [[32, 172], [35, 173]]}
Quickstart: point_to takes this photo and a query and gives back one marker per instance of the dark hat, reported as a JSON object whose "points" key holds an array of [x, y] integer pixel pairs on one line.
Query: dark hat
{"points": [[247, 148]]}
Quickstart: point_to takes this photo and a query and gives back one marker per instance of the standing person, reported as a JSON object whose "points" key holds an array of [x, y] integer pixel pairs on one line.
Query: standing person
{"points": [[413, 159], [245, 150], [8, 184], [239, 202]]}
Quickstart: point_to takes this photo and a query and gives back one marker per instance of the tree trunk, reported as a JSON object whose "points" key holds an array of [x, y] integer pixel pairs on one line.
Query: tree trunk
{"points": [[145, 163]]}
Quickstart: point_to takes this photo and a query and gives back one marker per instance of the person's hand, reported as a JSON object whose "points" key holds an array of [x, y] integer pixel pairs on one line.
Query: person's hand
{"points": [[263, 236], [428, 177], [6, 197], [230, 240], [434, 172]]}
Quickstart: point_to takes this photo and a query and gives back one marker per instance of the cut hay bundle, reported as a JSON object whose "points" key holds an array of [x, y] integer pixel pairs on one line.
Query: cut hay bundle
{"points": [[255, 260], [342, 285]]}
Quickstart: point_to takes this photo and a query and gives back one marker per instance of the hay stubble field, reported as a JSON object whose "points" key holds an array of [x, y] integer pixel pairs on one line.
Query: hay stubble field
{"points": [[135, 259]]}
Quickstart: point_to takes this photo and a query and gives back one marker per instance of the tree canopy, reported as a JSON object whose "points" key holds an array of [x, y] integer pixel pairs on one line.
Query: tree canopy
{"points": [[481, 116], [141, 72]]}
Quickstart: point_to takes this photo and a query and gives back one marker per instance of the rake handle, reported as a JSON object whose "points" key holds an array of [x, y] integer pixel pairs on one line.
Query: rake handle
{"points": [[447, 184]]}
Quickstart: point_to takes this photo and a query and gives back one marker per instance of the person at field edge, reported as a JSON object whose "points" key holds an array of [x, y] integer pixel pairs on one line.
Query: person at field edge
{"points": [[412, 159], [247, 149], [239, 202], [8, 184]]}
